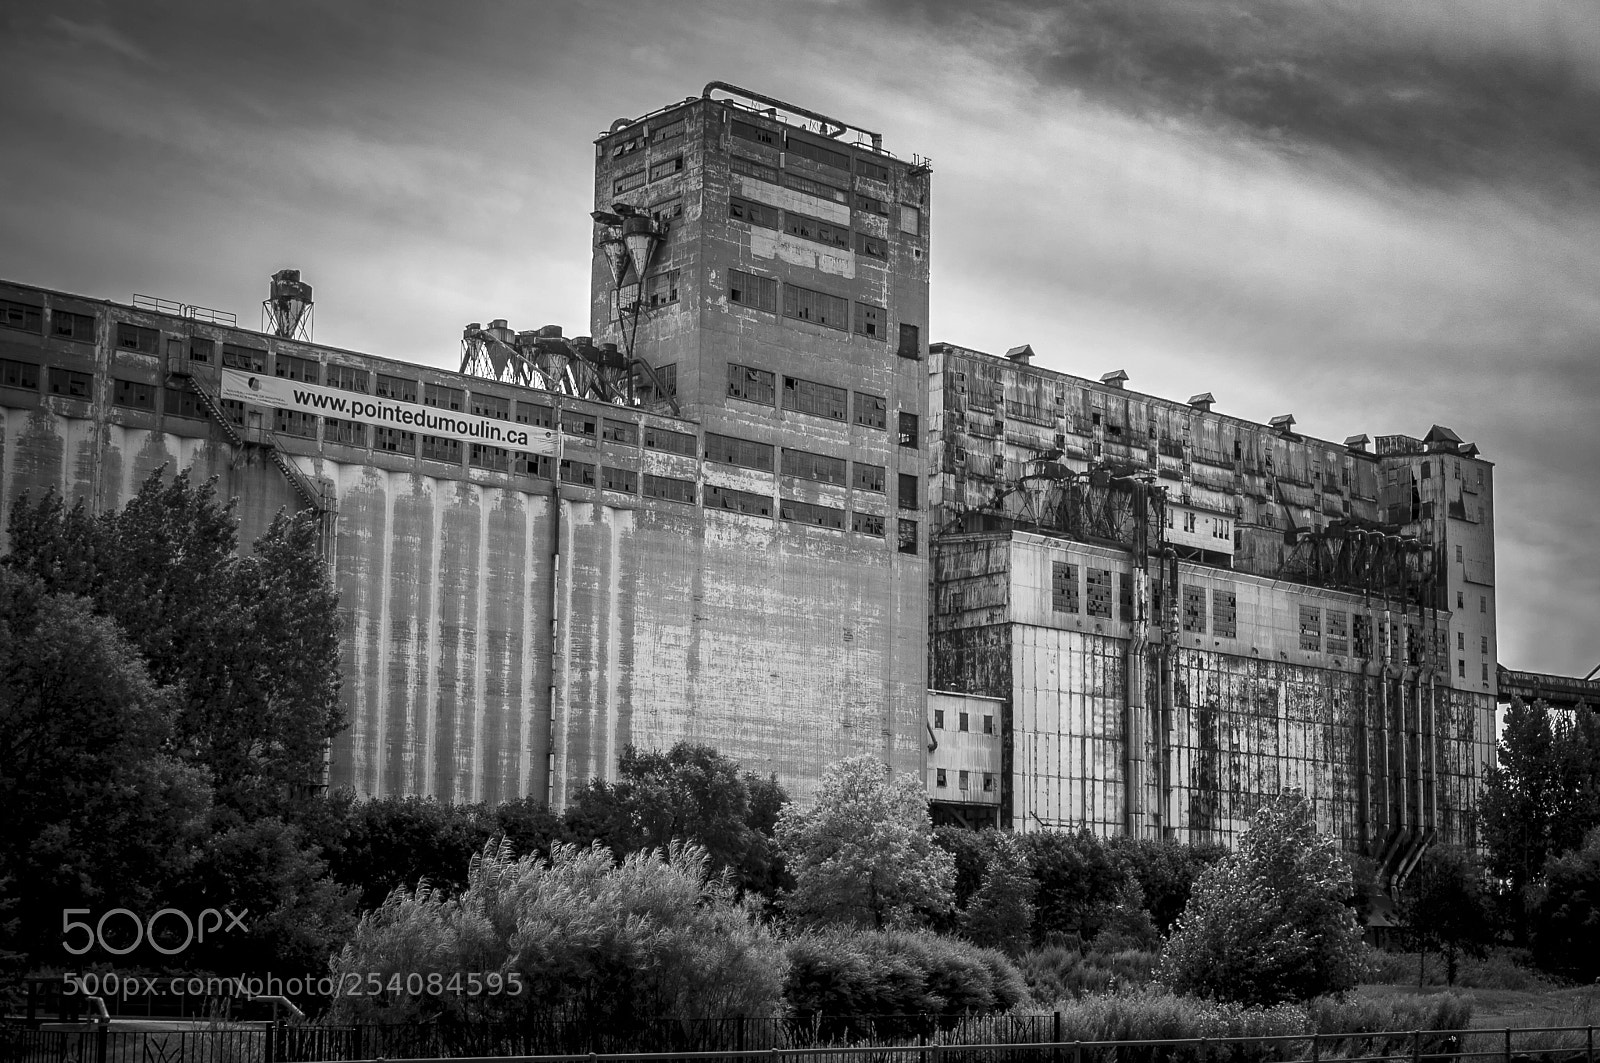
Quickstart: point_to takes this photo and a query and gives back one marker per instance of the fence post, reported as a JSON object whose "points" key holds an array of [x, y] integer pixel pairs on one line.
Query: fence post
{"points": [[102, 1035], [1588, 1050], [1508, 1044], [1316, 1045], [1077, 1052], [1416, 1046], [1055, 1040]]}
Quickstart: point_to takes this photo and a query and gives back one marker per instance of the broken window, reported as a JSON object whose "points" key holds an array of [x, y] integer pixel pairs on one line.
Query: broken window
{"points": [[754, 213], [752, 385], [446, 398], [579, 423], [661, 289], [1224, 613], [908, 430], [539, 465], [1194, 609], [871, 246], [133, 393], [181, 402], [755, 133], [22, 316], [70, 384], [907, 536], [249, 359], [398, 388], [624, 432], [669, 488], [747, 289], [577, 472], [867, 168], [820, 308], [1338, 632], [1311, 628], [869, 321], [815, 188], [868, 477], [872, 411], [822, 468], [910, 341], [483, 456], [751, 168], [69, 326], [1097, 592], [15, 374], [867, 523], [295, 423], [807, 149], [745, 453], [819, 400], [496, 406], [394, 441], [939, 777], [908, 491], [441, 448], [746, 502], [666, 167], [628, 182], [1063, 587], [672, 442], [798, 512], [132, 337], [347, 378], [1125, 596], [624, 481]]}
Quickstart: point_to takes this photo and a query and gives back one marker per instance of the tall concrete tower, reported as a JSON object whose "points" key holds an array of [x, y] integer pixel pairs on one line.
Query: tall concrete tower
{"points": [[764, 268]]}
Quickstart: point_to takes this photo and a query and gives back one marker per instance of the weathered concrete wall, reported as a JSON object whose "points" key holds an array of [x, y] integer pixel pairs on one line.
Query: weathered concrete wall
{"points": [[1266, 691], [475, 666]]}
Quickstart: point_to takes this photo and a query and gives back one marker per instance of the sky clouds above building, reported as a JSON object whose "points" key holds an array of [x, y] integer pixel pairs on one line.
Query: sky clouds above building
{"points": [[1377, 217]]}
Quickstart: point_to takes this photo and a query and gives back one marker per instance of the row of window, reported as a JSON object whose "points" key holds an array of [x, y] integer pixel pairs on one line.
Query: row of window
{"points": [[821, 400], [964, 780], [808, 149], [657, 171], [820, 308], [831, 233], [963, 722], [823, 468]]}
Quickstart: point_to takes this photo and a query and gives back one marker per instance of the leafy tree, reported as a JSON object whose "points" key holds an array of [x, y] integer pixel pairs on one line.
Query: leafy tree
{"points": [[589, 939], [391, 842], [1543, 796], [96, 815], [1165, 872], [1267, 924], [689, 793], [1443, 906], [1079, 882], [972, 850], [864, 855], [298, 915], [1000, 913], [1128, 924], [1566, 918], [246, 646]]}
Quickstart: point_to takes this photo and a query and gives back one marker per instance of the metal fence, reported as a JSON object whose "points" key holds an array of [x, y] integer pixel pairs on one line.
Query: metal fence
{"points": [[881, 1039]]}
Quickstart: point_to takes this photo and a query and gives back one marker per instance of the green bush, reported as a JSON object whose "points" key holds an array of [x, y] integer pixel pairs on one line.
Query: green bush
{"points": [[850, 983], [1268, 923], [1154, 1014], [1502, 968], [1054, 972]]}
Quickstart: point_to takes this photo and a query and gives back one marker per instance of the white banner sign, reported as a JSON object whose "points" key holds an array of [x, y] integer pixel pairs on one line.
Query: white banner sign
{"points": [[279, 394]]}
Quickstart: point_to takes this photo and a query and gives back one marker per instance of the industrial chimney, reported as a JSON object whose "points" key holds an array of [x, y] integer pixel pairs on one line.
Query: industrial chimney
{"points": [[287, 309]]}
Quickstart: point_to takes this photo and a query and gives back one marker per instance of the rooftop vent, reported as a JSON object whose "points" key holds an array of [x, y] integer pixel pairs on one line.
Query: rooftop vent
{"points": [[1284, 423], [1115, 380], [1358, 442], [288, 307], [1203, 401], [1021, 355]]}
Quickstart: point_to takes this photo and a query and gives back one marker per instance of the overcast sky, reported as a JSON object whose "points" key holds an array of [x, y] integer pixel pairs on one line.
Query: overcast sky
{"points": [[1376, 216]]}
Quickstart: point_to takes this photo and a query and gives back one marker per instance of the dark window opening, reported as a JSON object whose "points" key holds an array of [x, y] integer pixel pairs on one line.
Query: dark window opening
{"points": [[577, 472], [294, 423], [624, 432], [483, 456], [669, 488], [134, 393], [907, 536], [14, 374], [798, 512], [744, 453], [68, 326], [71, 385], [398, 388], [908, 430], [624, 480], [444, 398], [868, 477], [867, 524], [752, 385], [758, 293], [302, 369], [818, 400], [666, 439], [869, 321], [872, 411], [907, 497], [394, 441], [132, 337], [22, 316], [440, 448], [347, 433], [820, 308], [746, 502]]}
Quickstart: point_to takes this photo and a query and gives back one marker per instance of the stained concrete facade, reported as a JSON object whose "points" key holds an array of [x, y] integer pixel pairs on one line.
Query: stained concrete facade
{"points": [[1167, 685], [505, 632]]}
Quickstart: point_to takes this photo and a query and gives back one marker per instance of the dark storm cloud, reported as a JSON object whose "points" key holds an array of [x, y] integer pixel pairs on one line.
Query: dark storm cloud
{"points": [[1433, 91]]}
